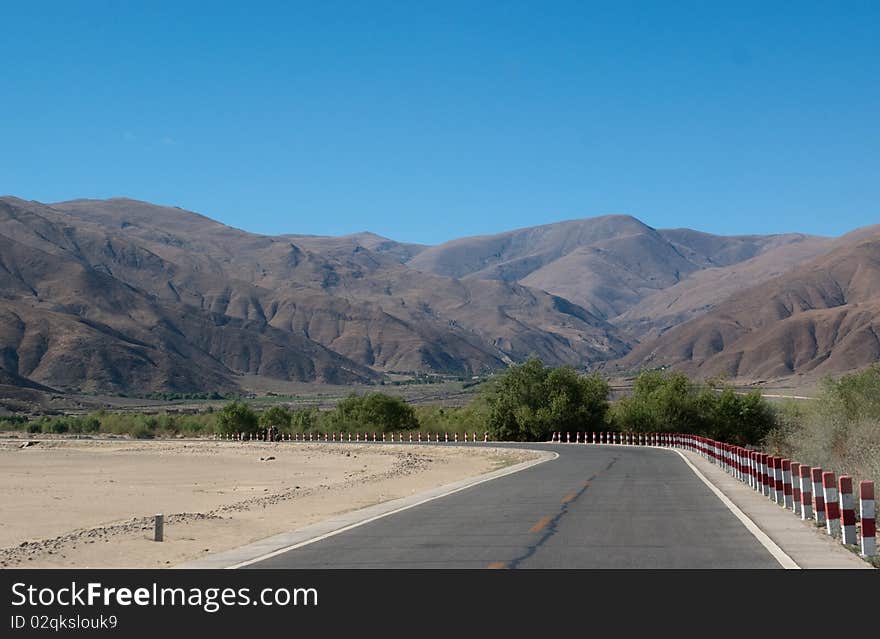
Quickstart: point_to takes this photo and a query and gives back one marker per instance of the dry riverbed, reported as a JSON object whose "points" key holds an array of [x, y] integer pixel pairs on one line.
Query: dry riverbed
{"points": [[84, 503]]}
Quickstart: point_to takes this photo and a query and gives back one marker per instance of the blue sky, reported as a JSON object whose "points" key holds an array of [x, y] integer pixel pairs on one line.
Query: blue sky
{"points": [[427, 121]]}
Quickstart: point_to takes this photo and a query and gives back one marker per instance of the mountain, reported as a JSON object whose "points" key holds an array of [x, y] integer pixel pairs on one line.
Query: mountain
{"points": [[821, 317], [606, 264], [119, 295], [704, 289]]}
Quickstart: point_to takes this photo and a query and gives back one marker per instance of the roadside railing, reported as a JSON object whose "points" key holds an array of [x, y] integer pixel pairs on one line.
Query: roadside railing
{"points": [[811, 493]]}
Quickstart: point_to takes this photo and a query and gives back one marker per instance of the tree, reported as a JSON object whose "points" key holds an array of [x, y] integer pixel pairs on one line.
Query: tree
{"points": [[277, 417], [237, 417], [373, 411], [670, 402], [530, 401]]}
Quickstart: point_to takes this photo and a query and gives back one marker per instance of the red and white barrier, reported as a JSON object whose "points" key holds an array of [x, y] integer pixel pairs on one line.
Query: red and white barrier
{"points": [[818, 495], [868, 515], [796, 488], [847, 510], [832, 507], [806, 492], [786, 484], [778, 489]]}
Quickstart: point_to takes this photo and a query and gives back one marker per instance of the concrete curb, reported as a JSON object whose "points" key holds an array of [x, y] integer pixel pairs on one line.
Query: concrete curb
{"points": [[244, 556], [800, 540]]}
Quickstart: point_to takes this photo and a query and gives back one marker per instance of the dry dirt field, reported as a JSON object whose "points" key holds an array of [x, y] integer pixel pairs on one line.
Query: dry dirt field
{"points": [[90, 503]]}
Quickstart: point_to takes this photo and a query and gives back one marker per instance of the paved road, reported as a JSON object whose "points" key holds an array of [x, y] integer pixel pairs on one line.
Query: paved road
{"points": [[594, 507]]}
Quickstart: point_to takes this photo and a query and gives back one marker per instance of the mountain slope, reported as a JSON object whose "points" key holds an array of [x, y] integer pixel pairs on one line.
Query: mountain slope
{"points": [[606, 264], [120, 294], [821, 317]]}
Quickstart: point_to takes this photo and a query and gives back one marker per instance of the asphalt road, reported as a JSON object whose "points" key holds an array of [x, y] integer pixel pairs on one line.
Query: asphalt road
{"points": [[594, 507]]}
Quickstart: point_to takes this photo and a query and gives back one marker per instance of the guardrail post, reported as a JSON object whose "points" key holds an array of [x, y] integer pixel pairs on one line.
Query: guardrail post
{"points": [[868, 516], [847, 510], [786, 484], [806, 493], [832, 508], [796, 488], [818, 495]]}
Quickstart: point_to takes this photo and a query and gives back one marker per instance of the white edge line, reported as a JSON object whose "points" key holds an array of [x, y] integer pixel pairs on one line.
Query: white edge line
{"points": [[510, 470], [778, 553]]}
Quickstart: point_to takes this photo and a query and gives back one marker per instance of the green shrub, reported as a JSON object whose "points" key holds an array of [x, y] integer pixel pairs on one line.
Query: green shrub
{"points": [[237, 417], [277, 417], [142, 432], [671, 402], [370, 412], [530, 401], [839, 431]]}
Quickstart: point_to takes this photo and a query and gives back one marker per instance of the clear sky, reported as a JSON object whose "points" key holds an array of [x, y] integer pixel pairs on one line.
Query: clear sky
{"points": [[426, 121]]}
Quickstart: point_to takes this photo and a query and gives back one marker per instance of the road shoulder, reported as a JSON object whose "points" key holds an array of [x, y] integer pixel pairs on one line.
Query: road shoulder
{"points": [[806, 544]]}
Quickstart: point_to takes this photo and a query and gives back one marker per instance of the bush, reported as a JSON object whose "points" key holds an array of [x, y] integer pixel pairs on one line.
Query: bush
{"points": [[670, 402], [454, 419], [59, 426], [276, 416], [143, 432], [302, 421], [373, 411], [530, 401], [840, 431], [237, 417]]}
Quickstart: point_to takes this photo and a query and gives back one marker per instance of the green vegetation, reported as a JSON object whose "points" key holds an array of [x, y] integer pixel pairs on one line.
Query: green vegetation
{"points": [[840, 431], [370, 412], [670, 402], [237, 417], [530, 401]]}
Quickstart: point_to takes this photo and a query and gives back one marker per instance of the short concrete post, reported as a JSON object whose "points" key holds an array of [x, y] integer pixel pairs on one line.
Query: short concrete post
{"points": [[818, 495], [832, 507], [806, 493], [159, 527], [788, 502], [847, 510], [796, 488], [778, 485], [869, 521]]}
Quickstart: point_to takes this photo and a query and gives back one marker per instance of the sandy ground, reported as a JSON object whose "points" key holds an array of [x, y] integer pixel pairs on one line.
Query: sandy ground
{"points": [[72, 504]]}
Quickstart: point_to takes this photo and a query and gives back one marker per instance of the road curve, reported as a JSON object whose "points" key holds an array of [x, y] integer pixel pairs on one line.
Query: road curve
{"points": [[593, 507]]}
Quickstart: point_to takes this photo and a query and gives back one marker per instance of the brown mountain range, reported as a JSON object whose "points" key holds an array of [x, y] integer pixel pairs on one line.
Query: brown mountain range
{"points": [[121, 295], [124, 295]]}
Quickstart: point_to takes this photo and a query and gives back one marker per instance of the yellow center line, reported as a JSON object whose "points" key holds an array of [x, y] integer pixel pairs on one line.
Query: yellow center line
{"points": [[497, 565], [541, 525], [569, 497]]}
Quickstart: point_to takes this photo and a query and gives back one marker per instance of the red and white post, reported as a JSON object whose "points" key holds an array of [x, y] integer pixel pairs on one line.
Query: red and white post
{"points": [[806, 493], [818, 495], [832, 507], [847, 510], [796, 488], [869, 522]]}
